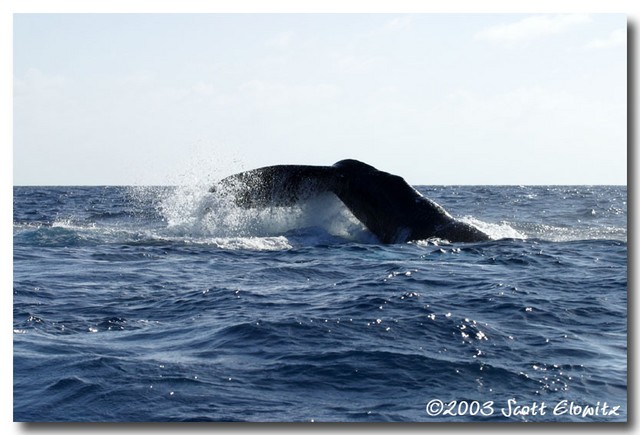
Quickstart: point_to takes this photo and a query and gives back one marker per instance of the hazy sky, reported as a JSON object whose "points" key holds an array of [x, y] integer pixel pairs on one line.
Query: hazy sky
{"points": [[438, 99]]}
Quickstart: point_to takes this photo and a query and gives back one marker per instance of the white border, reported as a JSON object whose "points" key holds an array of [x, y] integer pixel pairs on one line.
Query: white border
{"points": [[8, 7]]}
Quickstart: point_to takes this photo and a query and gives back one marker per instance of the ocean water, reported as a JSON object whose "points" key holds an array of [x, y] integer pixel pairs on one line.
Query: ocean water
{"points": [[168, 304]]}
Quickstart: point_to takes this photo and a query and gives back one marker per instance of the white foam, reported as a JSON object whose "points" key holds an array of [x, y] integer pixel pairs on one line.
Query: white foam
{"points": [[279, 243], [502, 230], [551, 233], [195, 214], [68, 224]]}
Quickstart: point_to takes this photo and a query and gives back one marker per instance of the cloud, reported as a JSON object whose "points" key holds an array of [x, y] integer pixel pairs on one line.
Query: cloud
{"points": [[615, 39], [399, 23], [356, 64], [511, 109], [531, 28], [177, 93], [268, 94], [43, 100], [281, 41], [37, 82]]}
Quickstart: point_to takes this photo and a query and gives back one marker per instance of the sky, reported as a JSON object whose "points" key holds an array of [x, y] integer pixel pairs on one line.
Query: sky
{"points": [[437, 98], [440, 99]]}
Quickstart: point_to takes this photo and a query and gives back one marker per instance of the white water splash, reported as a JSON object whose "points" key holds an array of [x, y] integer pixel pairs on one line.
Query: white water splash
{"points": [[502, 230], [194, 213]]}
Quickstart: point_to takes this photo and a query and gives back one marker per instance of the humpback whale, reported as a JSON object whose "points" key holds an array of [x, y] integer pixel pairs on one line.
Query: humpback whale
{"points": [[385, 203]]}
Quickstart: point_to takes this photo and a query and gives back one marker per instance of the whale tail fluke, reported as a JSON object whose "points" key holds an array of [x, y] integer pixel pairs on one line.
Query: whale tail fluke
{"points": [[385, 203], [280, 185]]}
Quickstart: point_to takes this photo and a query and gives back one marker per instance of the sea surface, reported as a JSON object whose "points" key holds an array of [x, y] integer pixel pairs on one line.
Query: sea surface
{"points": [[169, 304]]}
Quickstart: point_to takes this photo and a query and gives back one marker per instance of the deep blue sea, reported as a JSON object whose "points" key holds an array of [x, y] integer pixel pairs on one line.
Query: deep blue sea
{"points": [[168, 304]]}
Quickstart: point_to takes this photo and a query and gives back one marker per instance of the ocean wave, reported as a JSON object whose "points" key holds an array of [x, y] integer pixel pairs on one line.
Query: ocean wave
{"points": [[193, 215]]}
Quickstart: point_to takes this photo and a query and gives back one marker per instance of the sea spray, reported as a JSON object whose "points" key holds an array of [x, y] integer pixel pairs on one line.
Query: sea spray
{"points": [[194, 211]]}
